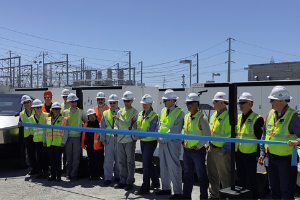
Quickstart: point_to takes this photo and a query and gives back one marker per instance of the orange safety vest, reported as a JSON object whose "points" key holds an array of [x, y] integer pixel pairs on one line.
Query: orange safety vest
{"points": [[96, 141], [44, 108], [98, 114]]}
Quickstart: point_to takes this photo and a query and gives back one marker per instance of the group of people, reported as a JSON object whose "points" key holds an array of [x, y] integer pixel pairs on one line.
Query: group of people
{"points": [[281, 124]]}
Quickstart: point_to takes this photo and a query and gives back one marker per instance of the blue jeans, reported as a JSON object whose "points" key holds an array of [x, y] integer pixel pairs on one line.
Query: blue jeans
{"points": [[149, 171], [195, 159], [282, 177]]}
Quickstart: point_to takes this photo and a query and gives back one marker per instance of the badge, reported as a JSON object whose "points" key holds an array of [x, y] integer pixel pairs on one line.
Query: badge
{"points": [[269, 126]]}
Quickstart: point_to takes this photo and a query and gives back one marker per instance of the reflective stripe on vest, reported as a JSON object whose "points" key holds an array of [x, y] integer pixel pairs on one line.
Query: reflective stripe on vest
{"points": [[98, 114], [126, 117], [217, 127], [96, 141], [55, 136], [246, 132], [38, 132], [191, 127], [144, 124], [279, 131], [108, 120], [75, 119], [25, 118], [166, 122]]}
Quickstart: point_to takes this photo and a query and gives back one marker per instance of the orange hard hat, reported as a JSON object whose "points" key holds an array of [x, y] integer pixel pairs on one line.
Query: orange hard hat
{"points": [[48, 93]]}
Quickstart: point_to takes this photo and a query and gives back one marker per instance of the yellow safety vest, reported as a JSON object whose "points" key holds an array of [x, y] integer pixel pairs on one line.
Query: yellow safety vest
{"points": [[166, 122], [191, 128], [125, 115], [220, 127], [108, 120], [25, 118], [64, 107], [75, 119], [246, 132], [144, 124], [279, 131], [38, 132], [55, 136]]}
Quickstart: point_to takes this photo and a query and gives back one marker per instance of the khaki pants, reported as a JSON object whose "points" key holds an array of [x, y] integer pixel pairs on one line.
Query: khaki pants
{"points": [[218, 170]]}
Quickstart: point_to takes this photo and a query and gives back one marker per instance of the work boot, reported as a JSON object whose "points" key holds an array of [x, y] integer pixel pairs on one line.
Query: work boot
{"points": [[163, 192], [107, 182], [119, 186]]}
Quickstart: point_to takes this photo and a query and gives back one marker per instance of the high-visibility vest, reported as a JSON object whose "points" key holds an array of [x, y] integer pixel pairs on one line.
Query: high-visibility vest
{"points": [[44, 108], [166, 122], [54, 137], [108, 120], [126, 116], [64, 107], [191, 128], [98, 114], [246, 132], [74, 119], [38, 132], [219, 127], [97, 143], [25, 118], [144, 124], [279, 131]]}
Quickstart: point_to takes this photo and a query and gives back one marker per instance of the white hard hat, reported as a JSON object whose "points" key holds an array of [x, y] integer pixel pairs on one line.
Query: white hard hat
{"points": [[36, 103], [220, 96], [147, 99], [100, 95], [280, 93], [65, 92], [72, 97], [169, 94], [246, 96], [113, 97], [56, 105], [90, 112], [25, 98], [192, 97], [128, 95]]}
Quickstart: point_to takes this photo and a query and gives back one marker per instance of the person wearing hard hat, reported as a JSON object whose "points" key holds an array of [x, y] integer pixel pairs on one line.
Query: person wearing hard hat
{"points": [[91, 142], [125, 120], [111, 163], [195, 123], [147, 121], [55, 140], [249, 126], [39, 117], [171, 121], [65, 105], [24, 117], [101, 107], [281, 124], [76, 117], [218, 156], [48, 101]]}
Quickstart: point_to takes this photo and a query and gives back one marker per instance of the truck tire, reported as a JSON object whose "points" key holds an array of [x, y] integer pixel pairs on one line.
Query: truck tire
{"points": [[22, 161]]}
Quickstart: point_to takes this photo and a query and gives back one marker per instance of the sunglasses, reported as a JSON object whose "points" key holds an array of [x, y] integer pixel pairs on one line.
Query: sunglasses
{"points": [[38, 107], [48, 98], [272, 100], [215, 101], [65, 97], [26, 102], [73, 101], [126, 101], [189, 103], [112, 103], [242, 103], [55, 108], [166, 100], [100, 99]]}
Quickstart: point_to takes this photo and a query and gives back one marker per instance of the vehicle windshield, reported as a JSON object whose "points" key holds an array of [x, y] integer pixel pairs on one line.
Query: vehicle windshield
{"points": [[9, 105]]}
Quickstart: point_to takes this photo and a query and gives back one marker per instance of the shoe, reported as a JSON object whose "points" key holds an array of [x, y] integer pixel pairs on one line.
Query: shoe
{"points": [[33, 172], [154, 187], [96, 178], [119, 186], [163, 192], [58, 179], [52, 178], [68, 177], [75, 178], [45, 175], [40, 175], [176, 196], [117, 179], [128, 187], [141, 192], [107, 182]]}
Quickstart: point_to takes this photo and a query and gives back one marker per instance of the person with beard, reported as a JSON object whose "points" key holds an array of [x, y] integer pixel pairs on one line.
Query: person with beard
{"points": [[101, 107]]}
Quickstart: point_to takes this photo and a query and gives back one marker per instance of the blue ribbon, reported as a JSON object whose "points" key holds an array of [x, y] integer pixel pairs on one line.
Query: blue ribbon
{"points": [[163, 135]]}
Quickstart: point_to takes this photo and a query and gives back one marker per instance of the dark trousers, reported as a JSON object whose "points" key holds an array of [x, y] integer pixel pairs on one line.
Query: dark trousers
{"points": [[149, 171], [64, 159], [195, 159], [55, 153], [42, 156], [282, 177], [246, 165], [96, 160], [31, 152]]}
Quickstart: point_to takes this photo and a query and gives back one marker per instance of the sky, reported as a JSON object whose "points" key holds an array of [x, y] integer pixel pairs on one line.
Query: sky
{"points": [[159, 33]]}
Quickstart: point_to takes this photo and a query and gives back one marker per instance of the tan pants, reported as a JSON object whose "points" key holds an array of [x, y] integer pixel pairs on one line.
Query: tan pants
{"points": [[218, 169]]}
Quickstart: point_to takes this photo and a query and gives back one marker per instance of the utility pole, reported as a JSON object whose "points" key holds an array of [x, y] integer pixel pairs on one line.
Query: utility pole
{"points": [[129, 63], [44, 72], [67, 69], [10, 78], [31, 76], [183, 83], [229, 61], [81, 70], [19, 79], [197, 68], [133, 75], [164, 81], [141, 72], [118, 73]]}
